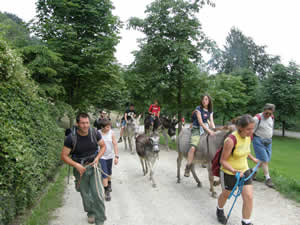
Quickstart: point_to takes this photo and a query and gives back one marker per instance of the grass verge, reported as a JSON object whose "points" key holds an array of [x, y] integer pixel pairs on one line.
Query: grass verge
{"points": [[51, 200]]}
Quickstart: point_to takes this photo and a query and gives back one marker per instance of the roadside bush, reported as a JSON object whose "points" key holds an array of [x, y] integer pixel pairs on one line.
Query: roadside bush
{"points": [[30, 140]]}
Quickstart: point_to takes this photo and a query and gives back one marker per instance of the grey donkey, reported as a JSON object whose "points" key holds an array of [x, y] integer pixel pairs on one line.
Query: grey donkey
{"points": [[206, 150], [147, 148]]}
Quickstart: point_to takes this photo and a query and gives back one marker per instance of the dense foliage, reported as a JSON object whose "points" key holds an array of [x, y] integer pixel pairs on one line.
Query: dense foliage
{"points": [[30, 140]]}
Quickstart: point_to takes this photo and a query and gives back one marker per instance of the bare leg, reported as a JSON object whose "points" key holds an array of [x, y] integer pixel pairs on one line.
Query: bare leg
{"points": [[265, 168], [191, 154], [247, 195], [223, 198], [195, 175], [105, 182], [179, 160]]}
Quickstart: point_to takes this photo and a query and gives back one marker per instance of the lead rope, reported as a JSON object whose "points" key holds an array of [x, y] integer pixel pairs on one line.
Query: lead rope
{"points": [[98, 175], [239, 184]]}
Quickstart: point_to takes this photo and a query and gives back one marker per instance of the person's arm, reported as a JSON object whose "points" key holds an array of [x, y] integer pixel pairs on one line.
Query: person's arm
{"points": [[65, 157], [125, 117], [158, 114], [227, 150], [255, 160], [150, 109], [102, 145], [212, 123], [116, 161], [210, 132]]}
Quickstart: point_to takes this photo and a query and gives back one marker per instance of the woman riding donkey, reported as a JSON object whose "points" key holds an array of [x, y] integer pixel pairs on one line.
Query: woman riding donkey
{"points": [[233, 160], [203, 120]]}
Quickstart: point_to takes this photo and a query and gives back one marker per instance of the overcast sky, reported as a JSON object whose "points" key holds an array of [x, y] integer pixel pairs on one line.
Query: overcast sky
{"points": [[269, 22]]}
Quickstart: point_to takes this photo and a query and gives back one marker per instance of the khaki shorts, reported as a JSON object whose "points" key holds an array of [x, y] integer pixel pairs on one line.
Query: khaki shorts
{"points": [[195, 138]]}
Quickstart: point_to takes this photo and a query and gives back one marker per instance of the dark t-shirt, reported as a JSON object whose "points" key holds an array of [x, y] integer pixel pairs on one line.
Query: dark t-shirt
{"points": [[84, 146], [129, 113]]}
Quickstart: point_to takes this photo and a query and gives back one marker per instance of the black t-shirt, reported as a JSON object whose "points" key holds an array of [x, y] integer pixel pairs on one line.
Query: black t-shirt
{"points": [[130, 113], [84, 146]]}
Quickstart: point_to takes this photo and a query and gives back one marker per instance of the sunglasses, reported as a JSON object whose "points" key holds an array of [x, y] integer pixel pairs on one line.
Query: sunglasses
{"points": [[268, 113]]}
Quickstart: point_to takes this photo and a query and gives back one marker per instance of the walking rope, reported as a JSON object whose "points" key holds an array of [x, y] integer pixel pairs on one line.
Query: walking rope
{"points": [[238, 187]]}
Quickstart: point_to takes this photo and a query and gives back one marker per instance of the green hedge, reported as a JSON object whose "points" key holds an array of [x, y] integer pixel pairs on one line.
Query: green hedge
{"points": [[30, 140]]}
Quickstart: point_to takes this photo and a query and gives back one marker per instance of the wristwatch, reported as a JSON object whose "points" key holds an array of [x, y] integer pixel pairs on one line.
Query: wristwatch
{"points": [[116, 156]]}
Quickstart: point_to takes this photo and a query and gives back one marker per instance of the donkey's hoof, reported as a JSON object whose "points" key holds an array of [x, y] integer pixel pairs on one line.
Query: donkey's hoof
{"points": [[132, 153], [178, 181], [199, 185], [154, 185], [214, 194]]}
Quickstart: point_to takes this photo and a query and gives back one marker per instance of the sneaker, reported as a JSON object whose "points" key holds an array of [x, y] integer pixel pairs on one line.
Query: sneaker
{"points": [[107, 196], [269, 183], [221, 216], [187, 170], [243, 223], [91, 219], [120, 140]]}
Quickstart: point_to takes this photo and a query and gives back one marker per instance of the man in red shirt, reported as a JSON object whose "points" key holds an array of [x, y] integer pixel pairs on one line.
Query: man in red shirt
{"points": [[154, 111]]}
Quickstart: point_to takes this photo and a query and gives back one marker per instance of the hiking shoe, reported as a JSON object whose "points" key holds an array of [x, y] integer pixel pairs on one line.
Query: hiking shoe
{"points": [[187, 170], [221, 216], [120, 140], [269, 183], [91, 219], [243, 223], [107, 196]]}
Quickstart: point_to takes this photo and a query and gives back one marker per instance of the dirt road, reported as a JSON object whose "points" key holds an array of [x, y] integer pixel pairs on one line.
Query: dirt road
{"points": [[135, 202]]}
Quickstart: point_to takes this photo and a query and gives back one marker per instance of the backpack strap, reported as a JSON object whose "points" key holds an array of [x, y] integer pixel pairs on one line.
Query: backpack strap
{"points": [[258, 116], [233, 138]]}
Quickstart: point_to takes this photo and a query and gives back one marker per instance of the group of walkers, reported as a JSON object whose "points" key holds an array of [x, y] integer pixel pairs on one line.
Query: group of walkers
{"points": [[92, 152]]}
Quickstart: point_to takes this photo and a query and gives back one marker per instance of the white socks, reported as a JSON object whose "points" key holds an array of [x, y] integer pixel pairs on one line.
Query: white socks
{"points": [[219, 208], [246, 221]]}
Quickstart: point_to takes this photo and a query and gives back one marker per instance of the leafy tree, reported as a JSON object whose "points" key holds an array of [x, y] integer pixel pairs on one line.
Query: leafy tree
{"points": [[228, 93], [45, 67], [281, 89], [241, 52], [168, 54], [252, 90], [15, 31], [85, 34]]}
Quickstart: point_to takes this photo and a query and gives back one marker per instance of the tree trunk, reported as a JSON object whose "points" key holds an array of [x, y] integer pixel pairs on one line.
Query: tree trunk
{"points": [[283, 128]]}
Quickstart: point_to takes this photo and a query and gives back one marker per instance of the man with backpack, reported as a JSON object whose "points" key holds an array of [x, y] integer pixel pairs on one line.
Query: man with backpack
{"points": [[262, 139], [81, 151]]}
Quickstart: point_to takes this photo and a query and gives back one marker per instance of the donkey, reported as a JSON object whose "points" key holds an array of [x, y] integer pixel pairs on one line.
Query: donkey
{"points": [[167, 126], [147, 149], [207, 148], [130, 132]]}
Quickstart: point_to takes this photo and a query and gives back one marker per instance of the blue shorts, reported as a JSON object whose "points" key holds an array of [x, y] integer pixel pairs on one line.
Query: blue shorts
{"points": [[262, 151], [123, 123], [106, 165]]}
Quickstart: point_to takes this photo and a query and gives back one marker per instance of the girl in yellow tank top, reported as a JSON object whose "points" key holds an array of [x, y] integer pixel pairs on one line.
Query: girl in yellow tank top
{"points": [[238, 160]]}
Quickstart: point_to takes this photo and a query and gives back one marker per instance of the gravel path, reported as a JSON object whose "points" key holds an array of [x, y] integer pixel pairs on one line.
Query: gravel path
{"points": [[135, 202]]}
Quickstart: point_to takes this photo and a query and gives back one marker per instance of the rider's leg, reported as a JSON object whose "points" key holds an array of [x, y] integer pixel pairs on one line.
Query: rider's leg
{"points": [[190, 159], [122, 130]]}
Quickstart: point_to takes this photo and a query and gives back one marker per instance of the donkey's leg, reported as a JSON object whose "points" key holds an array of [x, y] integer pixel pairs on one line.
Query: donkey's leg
{"points": [[143, 167], [195, 175], [151, 165], [179, 160], [211, 180], [166, 138], [125, 142], [130, 144]]}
